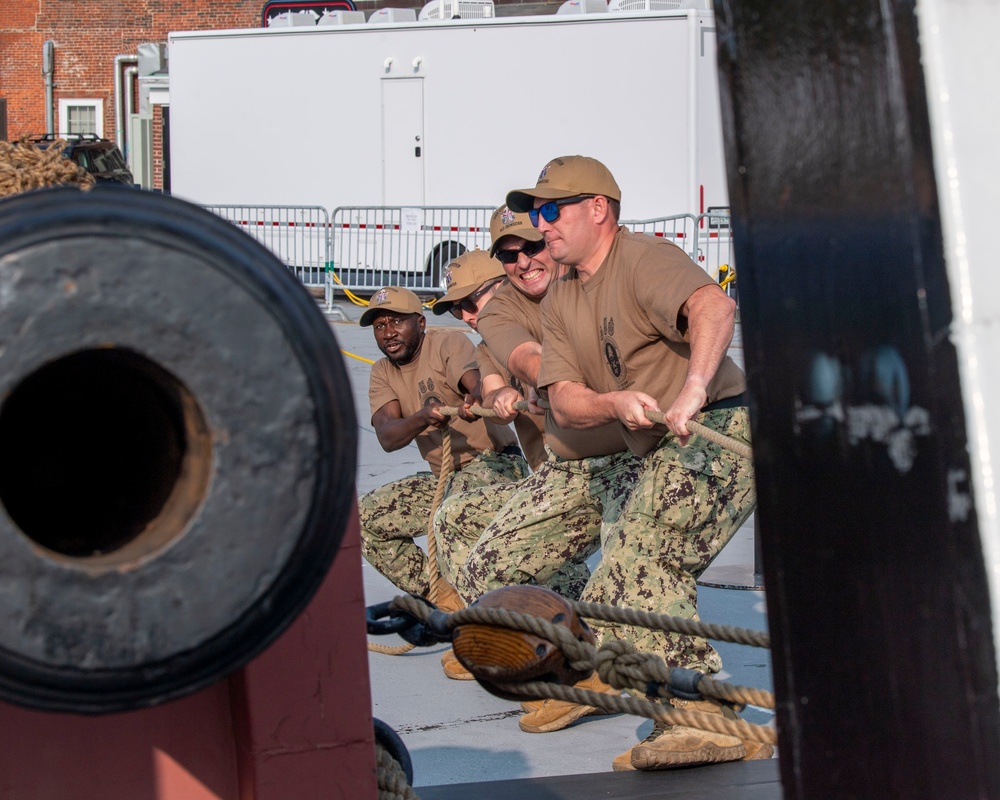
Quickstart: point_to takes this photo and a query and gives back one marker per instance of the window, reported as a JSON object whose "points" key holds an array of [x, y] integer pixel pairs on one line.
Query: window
{"points": [[81, 115]]}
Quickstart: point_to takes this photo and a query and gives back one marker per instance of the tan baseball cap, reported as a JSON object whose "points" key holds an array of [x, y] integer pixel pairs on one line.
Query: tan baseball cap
{"points": [[465, 274], [391, 298], [566, 176], [505, 222]]}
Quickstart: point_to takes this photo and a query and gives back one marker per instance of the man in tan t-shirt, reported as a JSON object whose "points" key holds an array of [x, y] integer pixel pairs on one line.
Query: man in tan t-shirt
{"points": [[636, 326], [421, 372], [543, 529]]}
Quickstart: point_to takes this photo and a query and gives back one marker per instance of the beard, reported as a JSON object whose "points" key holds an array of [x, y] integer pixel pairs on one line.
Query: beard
{"points": [[403, 354]]}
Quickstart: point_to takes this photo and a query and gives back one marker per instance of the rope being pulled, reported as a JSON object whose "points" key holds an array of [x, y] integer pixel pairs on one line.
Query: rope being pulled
{"points": [[440, 588], [727, 442], [618, 663]]}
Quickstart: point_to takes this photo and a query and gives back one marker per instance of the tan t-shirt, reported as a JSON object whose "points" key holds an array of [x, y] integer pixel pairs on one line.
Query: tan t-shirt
{"points": [[434, 376], [529, 427], [619, 329], [508, 321]]}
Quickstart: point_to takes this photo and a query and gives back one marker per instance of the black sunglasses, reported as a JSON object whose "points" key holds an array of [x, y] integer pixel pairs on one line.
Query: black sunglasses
{"points": [[470, 304], [550, 211], [529, 249]]}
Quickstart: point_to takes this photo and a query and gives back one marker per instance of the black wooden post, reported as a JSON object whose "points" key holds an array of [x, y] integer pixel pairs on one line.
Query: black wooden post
{"points": [[878, 604]]}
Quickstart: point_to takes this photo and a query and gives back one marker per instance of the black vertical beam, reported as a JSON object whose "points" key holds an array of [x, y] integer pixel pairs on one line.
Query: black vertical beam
{"points": [[884, 663]]}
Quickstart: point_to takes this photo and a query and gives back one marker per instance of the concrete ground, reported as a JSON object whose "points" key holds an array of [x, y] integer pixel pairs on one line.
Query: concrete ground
{"points": [[455, 731]]}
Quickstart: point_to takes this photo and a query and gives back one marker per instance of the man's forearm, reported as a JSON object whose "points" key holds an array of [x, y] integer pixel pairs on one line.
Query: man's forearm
{"points": [[524, 362], [577, 406]]}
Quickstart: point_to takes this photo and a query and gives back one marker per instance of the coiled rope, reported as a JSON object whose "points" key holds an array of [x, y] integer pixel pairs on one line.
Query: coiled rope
{"points": [[25, 166], [392, 783]]}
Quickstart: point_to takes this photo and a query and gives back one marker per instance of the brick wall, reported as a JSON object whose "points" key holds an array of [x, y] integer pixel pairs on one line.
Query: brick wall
{"points": [[87, 35]]}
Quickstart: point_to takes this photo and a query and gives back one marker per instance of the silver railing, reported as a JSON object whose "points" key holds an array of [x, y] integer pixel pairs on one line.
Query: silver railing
{"points": [[361, 248], [373, 246], [298, 235]]}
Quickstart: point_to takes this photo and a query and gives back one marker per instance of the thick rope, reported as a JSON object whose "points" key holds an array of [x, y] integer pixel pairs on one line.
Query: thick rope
{"points": [[734, 445], [619, 664], [438, 585], [644, 708], [392, 783], [437, 582], [727, 442], [25, 166]]}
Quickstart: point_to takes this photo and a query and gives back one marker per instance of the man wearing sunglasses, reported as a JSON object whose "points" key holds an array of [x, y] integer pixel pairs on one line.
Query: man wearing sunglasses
{"points": [[542, 530], [422, 371], [635, 325], [473, 279]]}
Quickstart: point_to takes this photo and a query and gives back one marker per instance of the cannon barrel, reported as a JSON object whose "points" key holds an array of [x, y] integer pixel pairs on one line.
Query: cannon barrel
{"points": [[177, 449]]}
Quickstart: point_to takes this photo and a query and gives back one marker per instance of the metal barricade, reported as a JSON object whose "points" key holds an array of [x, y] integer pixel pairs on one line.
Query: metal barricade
{"points": [[362, 248], [680, 229], [707, 238], [298, 235], [715, 252], [374, 246]]}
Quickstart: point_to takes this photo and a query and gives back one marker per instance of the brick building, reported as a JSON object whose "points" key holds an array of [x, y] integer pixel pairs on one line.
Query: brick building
{"points": [[93, 49]]}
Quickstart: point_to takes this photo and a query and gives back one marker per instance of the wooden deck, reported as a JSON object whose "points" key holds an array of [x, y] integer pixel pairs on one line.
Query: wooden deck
{"points": [[743, 780]]}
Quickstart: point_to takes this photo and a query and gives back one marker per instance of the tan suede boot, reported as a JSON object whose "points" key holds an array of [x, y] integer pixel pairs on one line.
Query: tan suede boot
{"points": [[669, 746], [448, 599], [756, 751], [545, 716], [453, 667]]}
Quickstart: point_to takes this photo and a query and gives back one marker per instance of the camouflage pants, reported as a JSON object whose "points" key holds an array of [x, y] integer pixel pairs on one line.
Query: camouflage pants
{"points": [[687, 505], [548, 527], [393, 515]]}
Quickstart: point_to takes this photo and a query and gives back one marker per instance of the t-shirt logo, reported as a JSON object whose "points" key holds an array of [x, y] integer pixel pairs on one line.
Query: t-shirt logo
{"points": [[612, 354], [613, 358]]}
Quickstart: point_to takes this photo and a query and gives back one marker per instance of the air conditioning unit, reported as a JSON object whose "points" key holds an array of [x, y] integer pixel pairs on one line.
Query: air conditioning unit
{"points": [[341, 17], [583, 7], [457, 9], [392, 15], [291, 19], [643, 5]]}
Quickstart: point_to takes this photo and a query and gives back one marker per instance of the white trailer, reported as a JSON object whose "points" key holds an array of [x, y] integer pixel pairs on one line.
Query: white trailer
{"points": [[445, 114]]}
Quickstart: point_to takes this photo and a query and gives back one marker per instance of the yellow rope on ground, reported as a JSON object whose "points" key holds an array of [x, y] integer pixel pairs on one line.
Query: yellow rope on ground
{"points": [[359, 358], [360, 301]]}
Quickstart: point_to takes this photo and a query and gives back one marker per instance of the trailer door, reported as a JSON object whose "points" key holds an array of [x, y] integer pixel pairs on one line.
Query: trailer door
{"points": [[402, 142]]}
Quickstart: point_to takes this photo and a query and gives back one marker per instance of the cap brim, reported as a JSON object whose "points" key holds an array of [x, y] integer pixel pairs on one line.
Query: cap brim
{"points": [[442, 306], [522, 200], [367, 317], [529, 234], [456, 294]]}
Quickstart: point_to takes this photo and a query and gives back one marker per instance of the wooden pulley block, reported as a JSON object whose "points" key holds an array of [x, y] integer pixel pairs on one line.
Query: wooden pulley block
{"points": [[497, 655]]}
